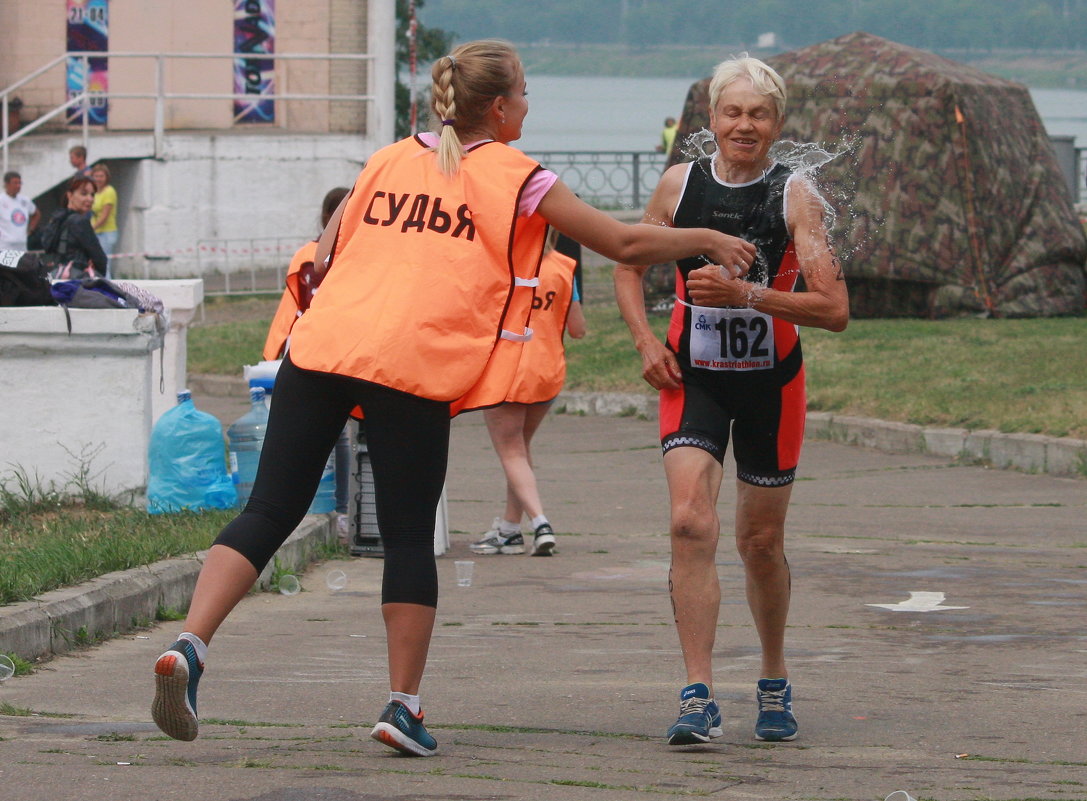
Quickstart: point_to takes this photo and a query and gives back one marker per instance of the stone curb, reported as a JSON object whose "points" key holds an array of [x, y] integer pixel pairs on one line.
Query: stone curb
{"points": [[1031, 453], [119, 602]]}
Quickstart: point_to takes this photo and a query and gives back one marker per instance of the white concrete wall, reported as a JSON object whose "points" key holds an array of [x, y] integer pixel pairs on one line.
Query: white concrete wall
{"points": [[79, 398], [257, 189], [90, 397]]}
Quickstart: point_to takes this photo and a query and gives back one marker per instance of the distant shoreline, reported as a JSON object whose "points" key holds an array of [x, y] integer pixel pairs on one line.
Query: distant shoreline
{"points": [[1059, 70]]}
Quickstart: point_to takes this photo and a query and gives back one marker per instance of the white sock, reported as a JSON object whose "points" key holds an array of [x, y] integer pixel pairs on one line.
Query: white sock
{"points": [[410, 701], [506, 527], [538, 521], [198, 644]]}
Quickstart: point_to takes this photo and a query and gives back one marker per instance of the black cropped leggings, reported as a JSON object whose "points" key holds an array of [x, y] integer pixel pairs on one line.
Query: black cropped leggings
{"points": [[408, 441]]}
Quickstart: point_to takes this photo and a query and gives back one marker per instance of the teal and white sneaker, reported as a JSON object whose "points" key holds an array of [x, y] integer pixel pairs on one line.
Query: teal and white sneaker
{"points": [[398, 728], [775, 721], [699, 717], [177, 674]]}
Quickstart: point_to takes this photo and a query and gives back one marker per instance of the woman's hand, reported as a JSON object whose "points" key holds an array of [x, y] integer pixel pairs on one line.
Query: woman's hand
{"points": [[732, 253], [575, 320]]}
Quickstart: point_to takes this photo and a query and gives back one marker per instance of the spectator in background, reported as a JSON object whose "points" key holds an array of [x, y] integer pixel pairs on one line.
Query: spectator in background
{"points": [[104, 213], [668, 136], [18, 214], [69, 237], [77, 157]]}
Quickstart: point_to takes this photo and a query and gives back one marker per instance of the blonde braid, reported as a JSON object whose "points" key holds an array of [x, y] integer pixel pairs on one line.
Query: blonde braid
{"points": [[465, 84], [450, 149]]}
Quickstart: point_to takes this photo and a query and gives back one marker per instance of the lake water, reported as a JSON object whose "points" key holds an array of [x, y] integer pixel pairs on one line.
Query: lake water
{"points": [[589, 113]]}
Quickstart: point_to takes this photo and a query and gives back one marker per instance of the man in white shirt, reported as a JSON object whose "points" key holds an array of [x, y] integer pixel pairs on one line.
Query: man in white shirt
{"points": [[18, 214]]}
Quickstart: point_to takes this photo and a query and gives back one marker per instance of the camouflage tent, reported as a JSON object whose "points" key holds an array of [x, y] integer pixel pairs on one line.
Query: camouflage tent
{"points": [[954, 202]]}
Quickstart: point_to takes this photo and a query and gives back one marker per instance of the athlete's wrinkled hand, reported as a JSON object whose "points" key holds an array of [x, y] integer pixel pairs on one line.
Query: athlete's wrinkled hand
{"points": [[714, 285], [734, 254], [660, 367]]}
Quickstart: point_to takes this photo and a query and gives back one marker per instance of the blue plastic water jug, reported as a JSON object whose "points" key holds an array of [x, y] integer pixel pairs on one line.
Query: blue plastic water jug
{"points": [[246, 436], [187, 468], [325, 499]]}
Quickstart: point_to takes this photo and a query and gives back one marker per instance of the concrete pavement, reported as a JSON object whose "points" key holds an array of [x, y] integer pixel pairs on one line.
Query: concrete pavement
{"points": [[556, 678]]}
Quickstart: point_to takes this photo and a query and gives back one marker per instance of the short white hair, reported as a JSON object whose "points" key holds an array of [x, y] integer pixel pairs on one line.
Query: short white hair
{"points": [[763, 77]]}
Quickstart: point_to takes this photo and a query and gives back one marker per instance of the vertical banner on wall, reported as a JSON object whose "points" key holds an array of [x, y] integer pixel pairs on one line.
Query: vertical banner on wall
{"points": [[88, 31], [254, 35]]}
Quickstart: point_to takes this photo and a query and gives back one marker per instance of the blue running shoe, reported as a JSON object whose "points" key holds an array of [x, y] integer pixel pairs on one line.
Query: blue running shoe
{"points": [[776, 721], [399, 729], [699, 717], [177, 673]]}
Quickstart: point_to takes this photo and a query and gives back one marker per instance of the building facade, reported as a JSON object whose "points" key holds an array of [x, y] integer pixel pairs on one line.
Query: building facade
{"points": [[222, 121]]}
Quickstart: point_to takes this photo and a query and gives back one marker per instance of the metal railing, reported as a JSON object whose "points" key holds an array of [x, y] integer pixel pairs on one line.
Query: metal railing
{"points": [[626, 179], [607, 179], [83, 99]]}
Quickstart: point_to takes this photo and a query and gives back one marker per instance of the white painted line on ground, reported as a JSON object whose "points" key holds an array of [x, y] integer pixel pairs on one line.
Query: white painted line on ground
{"points": [[919, 602]]}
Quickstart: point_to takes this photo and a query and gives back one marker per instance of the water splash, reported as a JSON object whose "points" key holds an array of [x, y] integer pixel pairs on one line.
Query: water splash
{"points": [[698, 145], [804, 158], [834, 189]]}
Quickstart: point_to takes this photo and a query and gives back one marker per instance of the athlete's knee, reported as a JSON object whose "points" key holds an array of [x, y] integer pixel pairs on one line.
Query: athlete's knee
{"points": [[761, 546], [695, 525]]}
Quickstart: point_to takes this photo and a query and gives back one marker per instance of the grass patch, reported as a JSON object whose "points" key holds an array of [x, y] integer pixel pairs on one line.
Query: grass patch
{"points": [[22, 667], [965, 373], [64, 541]]}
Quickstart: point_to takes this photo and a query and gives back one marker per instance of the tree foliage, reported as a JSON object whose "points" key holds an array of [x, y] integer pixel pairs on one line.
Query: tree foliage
{"points": [[430, 43], [932, 25]]}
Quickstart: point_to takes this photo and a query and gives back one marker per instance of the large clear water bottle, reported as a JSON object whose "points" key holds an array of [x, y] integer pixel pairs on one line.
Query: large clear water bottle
{"points": [[325, 499], [185, 461], [246, 437]]}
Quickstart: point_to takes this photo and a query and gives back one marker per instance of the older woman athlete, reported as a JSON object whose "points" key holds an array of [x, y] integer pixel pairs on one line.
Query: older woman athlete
{"points": [[732, 365]]}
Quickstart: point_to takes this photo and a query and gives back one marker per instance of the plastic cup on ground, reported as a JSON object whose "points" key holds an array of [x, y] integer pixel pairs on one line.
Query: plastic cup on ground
{"points": [[464, 573], [7, 668], [336, 580], [289, 585]]}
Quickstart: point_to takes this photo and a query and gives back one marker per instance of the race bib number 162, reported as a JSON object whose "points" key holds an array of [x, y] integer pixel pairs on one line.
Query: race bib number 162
{"points": [[731, 339]]}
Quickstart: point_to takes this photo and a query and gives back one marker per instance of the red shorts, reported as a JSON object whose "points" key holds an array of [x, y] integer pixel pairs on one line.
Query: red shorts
{"points": [[767, 426]]}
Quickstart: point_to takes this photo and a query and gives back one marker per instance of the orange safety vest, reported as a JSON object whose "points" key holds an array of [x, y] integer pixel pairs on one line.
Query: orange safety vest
{"points": [[542, 369], [431, 281], [295, 299]]}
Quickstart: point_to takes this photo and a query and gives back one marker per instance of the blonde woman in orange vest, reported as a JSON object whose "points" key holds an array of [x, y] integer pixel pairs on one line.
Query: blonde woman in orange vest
{"points": [[540, 377], [423, 311]]}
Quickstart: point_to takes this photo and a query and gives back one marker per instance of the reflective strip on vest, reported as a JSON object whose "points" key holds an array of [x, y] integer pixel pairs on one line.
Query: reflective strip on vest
{"points": [[512, 337]]}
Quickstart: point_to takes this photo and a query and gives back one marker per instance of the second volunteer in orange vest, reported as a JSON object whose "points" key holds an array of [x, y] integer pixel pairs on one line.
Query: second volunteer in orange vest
{"points": [[513, 424], [423, 311]]}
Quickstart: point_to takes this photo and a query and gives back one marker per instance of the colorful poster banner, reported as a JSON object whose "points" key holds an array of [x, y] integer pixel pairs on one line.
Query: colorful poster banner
{"points": [[254, 35], [88, 31]]}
